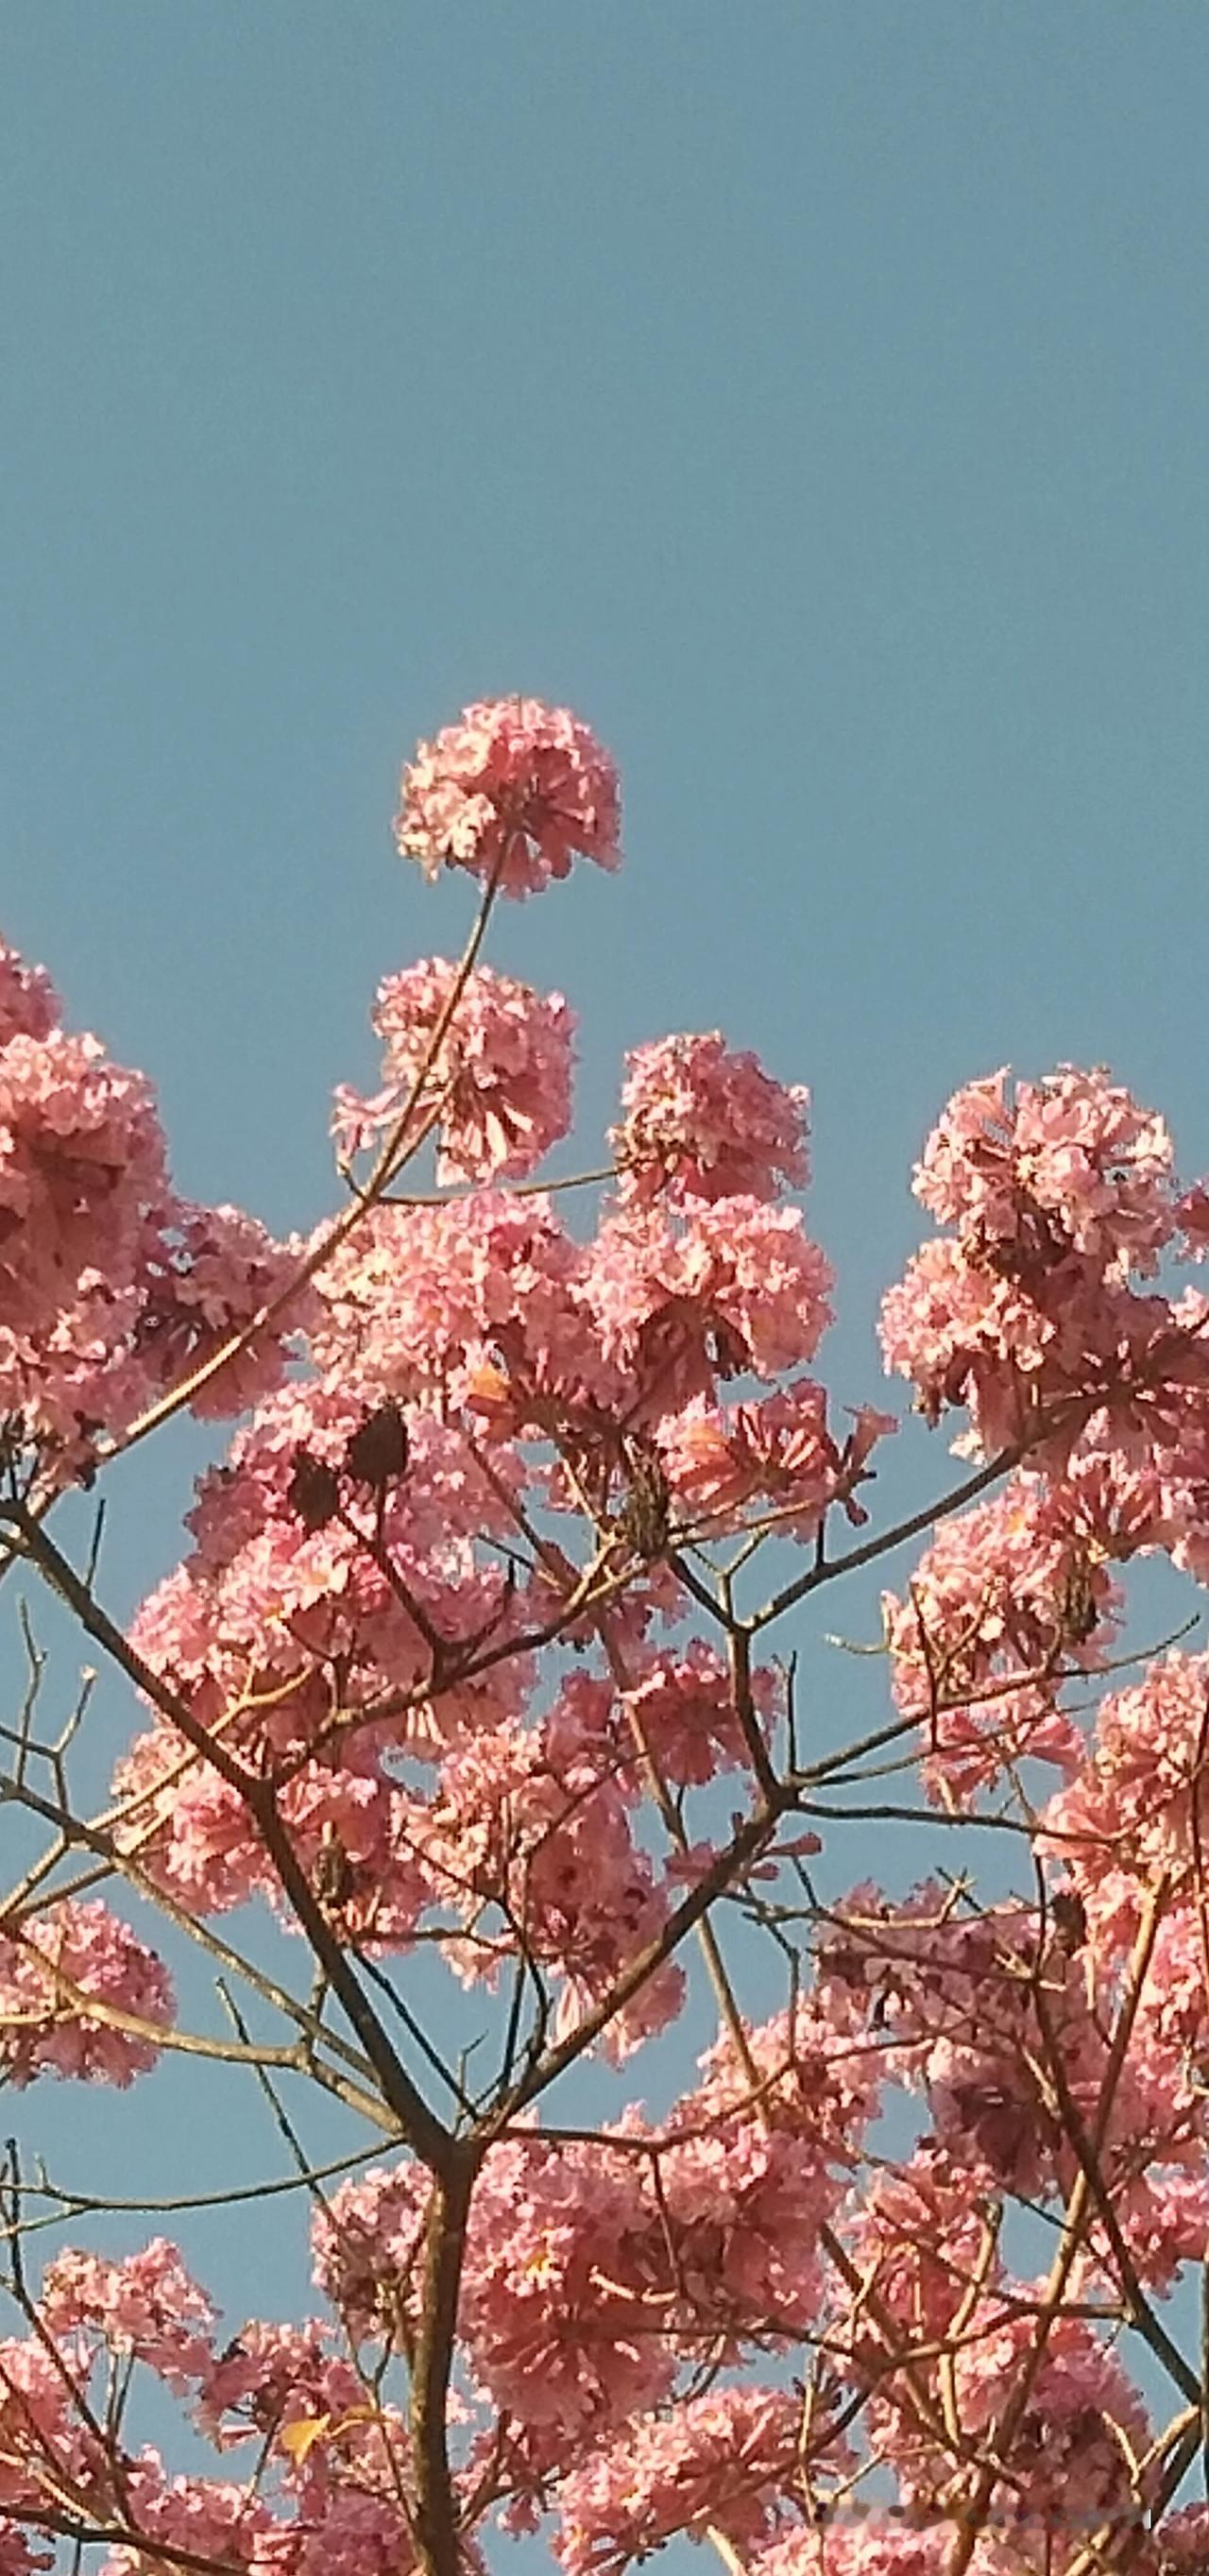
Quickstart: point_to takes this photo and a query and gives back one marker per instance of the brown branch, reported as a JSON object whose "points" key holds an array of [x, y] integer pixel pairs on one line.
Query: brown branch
{"points": [[118, 1864], [424, 2132], [119, 2535], [70, 2205], [1140, 2313], [1078, 2212], [744, 1846], [914, 1526], [436, 2512]]}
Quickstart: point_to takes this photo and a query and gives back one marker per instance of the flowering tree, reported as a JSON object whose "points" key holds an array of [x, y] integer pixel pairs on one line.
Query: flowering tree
{"points": [[479, 1654]]}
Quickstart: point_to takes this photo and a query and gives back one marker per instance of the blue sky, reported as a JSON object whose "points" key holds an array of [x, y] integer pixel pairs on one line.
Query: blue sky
{"points": [[814, 396]]}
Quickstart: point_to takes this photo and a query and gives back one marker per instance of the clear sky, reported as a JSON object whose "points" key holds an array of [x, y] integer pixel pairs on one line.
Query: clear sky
{"points": [[815, 396], [812, 393]]}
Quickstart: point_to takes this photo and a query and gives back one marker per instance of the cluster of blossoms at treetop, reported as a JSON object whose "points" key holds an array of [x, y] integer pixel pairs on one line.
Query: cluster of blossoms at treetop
{"points": [[692, 2192]]}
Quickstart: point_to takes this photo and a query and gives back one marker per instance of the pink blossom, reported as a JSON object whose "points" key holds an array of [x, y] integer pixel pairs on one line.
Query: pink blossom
{"points": [[19, 2551], [145, 2308], [727, 1288], [1042, 1364], [1071, 2450], [29, 1004], [81, 1164], [594, 2270], [566, 2279], [965, 1336], [352, 1830], [209, 1272], [529, 1843], [267, 1610], [881, 2546], [1003, 1605], [81, 1174], [39, 2422], [269, 2375], [1130, 1807], [728, 2459], [423, 1300], [42, 2029], [1192, 1218], [685, 1705], [817, 2077], [949, 1996], [214, 2518], [498, 1084], [1181, 2543], [357, 2534], [1071, 1164], [109, 1285], [706, 1123], [953, 1999], [367, 2244], [778, 1451], [921, 2229], [512, 792], [1060, 1198]]}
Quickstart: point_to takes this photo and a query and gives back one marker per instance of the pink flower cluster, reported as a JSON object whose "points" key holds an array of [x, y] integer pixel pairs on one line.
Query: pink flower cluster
{"points": [[706, 1123], [1061, 1197], [978, 2009], [38, 2426], [596, 2271], [325, 2490], [880, 2546], [511, 792], [1003, 1607], [684, 1706], [530, 1833], [777, 1451], [144, 2309], [728, 2459], [211, 1272], [421, 1300], [19, 2554], [81, 1179], [288, 1631], [1071, 1164], [109, 1284], [75, 1985], [488, 1064], [728, 1289], [491, 1301], [29, 1004], [1139, 1804]]}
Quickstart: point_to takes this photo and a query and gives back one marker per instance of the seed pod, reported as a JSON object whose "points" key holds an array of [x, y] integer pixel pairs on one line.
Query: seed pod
{"points": [[645, 1517], [1069, 1918], [333, 1879], [1080, 1610], [377, 1451], [312, 1493]]}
